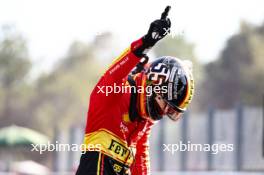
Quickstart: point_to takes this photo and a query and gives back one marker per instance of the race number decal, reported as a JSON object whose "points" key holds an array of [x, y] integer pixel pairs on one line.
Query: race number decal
{"points": [[159, 74]]}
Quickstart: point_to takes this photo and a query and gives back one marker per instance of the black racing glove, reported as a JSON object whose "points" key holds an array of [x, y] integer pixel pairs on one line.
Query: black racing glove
{"points": [[158, 29]]}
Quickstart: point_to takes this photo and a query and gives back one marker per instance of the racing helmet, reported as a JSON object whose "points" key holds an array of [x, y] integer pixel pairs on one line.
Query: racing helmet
{"points": [[173, 79]]}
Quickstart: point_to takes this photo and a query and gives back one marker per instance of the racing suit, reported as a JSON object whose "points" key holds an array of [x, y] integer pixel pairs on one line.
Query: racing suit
{"points": [[122, 139]]}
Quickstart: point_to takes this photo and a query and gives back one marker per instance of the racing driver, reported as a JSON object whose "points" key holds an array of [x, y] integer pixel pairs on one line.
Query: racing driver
{"points": [[118, 124]]}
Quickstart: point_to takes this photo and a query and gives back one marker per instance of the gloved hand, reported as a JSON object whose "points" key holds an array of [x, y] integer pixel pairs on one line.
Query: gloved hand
{"points": [[158, 29]]}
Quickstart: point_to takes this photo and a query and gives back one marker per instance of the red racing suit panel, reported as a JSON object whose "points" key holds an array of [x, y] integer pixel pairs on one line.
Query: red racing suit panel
{"points": [[141, 165], [108, 121]]}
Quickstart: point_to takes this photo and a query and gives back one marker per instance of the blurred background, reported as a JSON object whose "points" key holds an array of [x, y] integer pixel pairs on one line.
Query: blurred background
{"points": [[53, 52]]}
